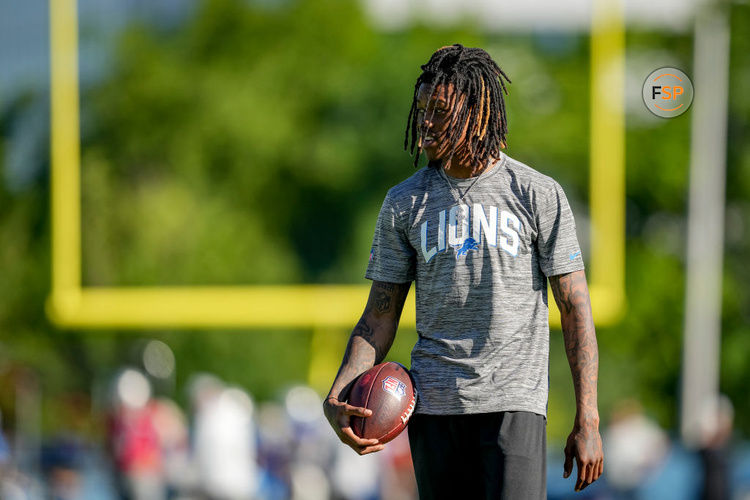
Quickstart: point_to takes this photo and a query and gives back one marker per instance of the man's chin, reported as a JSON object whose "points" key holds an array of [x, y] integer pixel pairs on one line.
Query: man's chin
{"points": [[433, 157]]}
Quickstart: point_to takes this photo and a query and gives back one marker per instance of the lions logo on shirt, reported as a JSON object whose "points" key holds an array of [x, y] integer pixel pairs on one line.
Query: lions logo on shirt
{"points": [[469, 244], [465, 228]]}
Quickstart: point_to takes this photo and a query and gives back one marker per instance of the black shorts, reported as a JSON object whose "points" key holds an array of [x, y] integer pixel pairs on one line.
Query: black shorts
{"points": [[488, 455]]}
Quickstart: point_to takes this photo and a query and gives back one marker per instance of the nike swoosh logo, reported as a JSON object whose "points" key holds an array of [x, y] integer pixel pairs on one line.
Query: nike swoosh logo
{"points": [[574, 255]]}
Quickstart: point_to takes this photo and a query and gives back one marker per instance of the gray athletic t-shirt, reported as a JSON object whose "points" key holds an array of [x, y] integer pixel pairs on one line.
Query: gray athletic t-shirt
{"points": [[480, 269]]}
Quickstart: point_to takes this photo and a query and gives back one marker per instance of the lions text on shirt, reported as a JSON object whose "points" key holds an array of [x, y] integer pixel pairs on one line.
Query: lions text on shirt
{"points": [[480, 268]]}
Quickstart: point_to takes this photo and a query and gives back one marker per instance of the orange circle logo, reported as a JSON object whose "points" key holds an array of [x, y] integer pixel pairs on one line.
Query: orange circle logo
{"points": [[667, 92]]}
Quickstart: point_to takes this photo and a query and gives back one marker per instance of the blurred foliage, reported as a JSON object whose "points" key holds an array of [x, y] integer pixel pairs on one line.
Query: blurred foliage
{"points": [[255, 145]]}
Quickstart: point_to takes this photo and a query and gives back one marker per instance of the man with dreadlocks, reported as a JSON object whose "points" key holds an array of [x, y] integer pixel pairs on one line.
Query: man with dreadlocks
{"points": [[480, 234]]}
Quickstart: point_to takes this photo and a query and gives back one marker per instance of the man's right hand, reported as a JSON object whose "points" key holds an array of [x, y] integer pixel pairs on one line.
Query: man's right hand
{"points": [[338, 414]]}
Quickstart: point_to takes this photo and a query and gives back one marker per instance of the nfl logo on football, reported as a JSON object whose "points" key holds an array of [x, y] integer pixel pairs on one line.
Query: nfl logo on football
{"points": [[394, 386]]}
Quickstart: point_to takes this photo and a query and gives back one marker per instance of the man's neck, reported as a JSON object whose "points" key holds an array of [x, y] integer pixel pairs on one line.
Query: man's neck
{"points": [[465, 171]]}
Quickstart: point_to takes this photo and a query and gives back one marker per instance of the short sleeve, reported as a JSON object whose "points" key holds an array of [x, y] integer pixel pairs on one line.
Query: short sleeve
{"points": [[392, 258], [557, 243]]}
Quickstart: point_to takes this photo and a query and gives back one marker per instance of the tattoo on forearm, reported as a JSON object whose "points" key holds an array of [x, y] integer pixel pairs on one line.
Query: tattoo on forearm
{"points": [[363, 329], [373, 334], [572, 297]]}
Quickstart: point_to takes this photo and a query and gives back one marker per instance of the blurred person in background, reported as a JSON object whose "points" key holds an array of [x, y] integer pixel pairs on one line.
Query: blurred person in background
{"points": [[480, 233], [313, 445], [224, 440], [398, 473], [355, 479], [275, 450], [636, 447], [13, 484], [134, 440], [715, 451], [171, 428], [61, 464]]}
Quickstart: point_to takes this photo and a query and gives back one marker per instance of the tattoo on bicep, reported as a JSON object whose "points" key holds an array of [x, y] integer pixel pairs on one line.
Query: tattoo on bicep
{"points": [[389, 297], [382, 301]]}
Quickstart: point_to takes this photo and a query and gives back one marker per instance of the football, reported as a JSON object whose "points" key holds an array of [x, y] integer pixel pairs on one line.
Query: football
{"points": [[388, 390]]}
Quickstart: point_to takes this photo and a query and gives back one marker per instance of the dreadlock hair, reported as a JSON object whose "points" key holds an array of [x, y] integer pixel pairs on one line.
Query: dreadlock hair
{"points": [[478, 104]]}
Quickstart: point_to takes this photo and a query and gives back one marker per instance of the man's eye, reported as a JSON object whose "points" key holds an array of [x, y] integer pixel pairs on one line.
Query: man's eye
{"points": [[437, 111]]}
